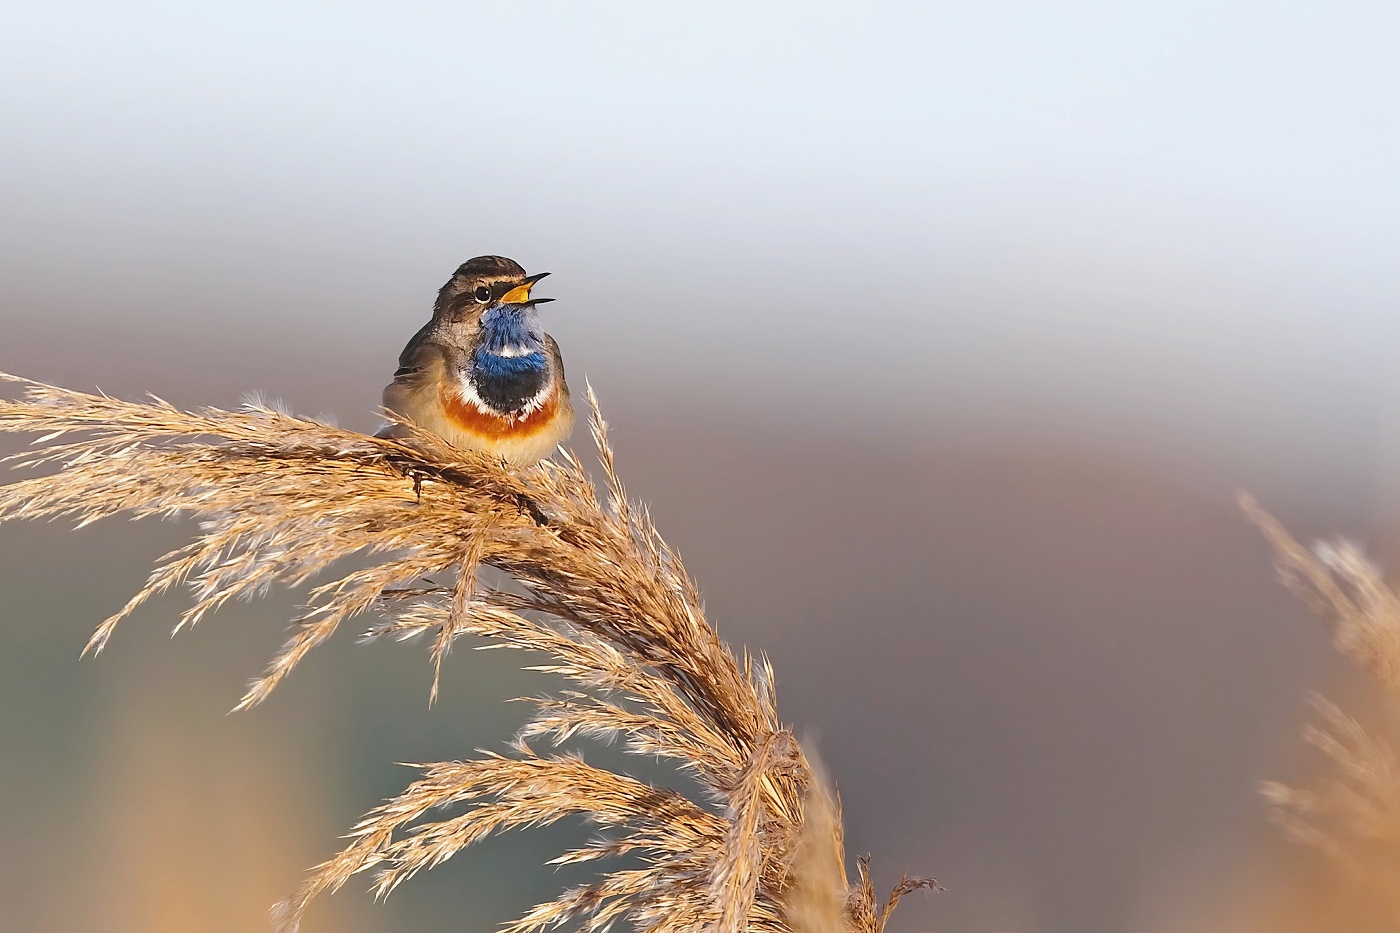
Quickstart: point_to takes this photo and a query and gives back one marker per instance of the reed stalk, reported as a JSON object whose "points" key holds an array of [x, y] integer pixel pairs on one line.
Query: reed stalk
{"points": [[588, 583], [1351, 812]]}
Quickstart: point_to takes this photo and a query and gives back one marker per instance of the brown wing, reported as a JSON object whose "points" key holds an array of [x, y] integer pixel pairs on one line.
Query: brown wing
{"points": [[414, 391], [409, 359], [556, 362]]}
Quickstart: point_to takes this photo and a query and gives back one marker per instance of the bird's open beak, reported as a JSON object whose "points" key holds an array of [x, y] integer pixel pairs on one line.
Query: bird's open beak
{"points": [[520, 294]]}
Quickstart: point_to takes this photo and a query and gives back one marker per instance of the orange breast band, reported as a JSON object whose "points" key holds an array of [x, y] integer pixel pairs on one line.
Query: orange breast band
{"points": [[467, 417]]}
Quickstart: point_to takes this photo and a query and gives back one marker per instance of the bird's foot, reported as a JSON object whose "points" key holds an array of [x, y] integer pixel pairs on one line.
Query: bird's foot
{"points": [[528, 505]]}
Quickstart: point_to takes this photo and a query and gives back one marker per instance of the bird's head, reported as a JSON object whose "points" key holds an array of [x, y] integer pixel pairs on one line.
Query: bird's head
{"points": [[488, 283]]}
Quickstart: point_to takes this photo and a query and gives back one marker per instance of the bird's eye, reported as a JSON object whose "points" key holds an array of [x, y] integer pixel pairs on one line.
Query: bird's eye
{"points": [[483, 294]]}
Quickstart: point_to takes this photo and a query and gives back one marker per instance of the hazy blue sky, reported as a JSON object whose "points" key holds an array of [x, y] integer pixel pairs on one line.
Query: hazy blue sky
{"points": [[1120, 219]]}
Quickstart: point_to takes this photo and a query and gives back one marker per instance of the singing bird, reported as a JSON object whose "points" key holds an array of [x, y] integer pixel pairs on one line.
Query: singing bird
{"points": [[482, 374]]}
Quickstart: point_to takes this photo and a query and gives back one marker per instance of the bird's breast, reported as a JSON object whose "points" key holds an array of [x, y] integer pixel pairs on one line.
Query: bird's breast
{"points": [[467, 416], [510, 381]]}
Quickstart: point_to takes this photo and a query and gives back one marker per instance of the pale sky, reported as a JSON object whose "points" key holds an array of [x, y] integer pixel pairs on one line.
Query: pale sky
{"points": [[1101, 218]]}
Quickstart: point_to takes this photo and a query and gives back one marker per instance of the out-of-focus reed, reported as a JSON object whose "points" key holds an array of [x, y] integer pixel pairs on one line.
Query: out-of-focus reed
{"points": [[1351, 813], [590, 585]]}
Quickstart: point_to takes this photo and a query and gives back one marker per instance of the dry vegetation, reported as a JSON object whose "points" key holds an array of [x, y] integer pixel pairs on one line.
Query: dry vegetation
{"points": [[591, 585], [1352, 812]]}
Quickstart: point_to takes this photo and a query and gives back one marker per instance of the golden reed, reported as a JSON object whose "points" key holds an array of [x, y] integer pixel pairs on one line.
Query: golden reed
{"points": [[1351, 813], [279, 499]]}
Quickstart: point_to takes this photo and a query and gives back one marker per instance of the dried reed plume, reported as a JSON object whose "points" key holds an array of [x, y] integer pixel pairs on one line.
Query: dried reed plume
{"points": [[1353, 812], [280, 499]]}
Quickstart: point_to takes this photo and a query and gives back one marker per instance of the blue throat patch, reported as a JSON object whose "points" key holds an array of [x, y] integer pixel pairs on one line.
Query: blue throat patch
{"points": [[494, 366], [509, 383], [505, 331]]}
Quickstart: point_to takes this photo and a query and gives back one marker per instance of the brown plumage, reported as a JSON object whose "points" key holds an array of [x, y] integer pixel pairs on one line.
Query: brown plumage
{"points": [[482, 374]]}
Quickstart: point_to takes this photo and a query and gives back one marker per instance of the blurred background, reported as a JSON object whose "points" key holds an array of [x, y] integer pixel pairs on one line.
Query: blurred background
{"points": [[939, 337]]}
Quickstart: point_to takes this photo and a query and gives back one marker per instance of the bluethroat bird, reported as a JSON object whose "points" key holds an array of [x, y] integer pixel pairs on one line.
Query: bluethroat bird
{"points": [[482, 374]]}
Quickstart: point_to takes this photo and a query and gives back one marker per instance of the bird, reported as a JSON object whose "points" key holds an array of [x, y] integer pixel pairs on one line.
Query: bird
{"points": [[482, 374]]}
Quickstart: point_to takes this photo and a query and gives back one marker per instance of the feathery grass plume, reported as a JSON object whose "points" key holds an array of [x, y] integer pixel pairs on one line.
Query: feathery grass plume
{"points": [[1353, 812], [594, 588]]}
